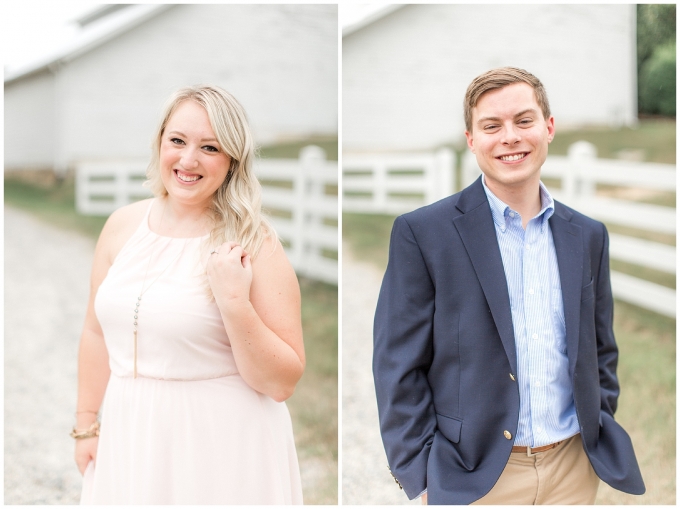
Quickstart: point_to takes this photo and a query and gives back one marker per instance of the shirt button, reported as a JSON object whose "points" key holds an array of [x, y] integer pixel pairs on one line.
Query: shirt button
{"points": [[531, 291], [537, 383], [507, 434], [539, 429], [512, 214], [534, 336], [526, 247]]}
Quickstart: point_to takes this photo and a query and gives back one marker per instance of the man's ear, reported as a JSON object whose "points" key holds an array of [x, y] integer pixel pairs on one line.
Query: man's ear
{"points": [[551, 128], [470, 142]]}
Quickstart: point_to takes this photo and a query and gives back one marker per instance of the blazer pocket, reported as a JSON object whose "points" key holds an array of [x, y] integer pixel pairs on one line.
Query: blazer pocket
{"points": [[588, 291], [450, 427]]}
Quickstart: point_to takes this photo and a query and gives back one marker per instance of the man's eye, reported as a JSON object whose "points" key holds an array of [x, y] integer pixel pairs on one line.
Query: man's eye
{"points": [[525, 121], [490, 127]]}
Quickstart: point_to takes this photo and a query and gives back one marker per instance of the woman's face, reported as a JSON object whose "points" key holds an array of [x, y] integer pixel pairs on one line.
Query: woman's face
{"points": [[192, 164]]}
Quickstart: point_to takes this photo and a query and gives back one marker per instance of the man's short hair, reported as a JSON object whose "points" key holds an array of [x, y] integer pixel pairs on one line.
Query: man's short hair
{"points": [[499, 78]]}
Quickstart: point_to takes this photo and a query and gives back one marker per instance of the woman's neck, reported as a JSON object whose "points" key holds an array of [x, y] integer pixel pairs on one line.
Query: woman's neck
{"points": [[173, 219]]}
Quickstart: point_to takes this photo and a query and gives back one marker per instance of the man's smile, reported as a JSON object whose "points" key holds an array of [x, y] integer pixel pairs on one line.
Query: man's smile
{"points": [[513, 157]]}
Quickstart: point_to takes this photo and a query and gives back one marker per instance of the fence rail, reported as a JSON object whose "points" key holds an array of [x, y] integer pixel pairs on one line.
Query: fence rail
{"points": [[395, 183], [299, 194], [578, 174]]}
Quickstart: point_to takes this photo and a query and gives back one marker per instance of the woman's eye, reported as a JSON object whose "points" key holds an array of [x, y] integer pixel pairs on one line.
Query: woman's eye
{"points": [[176, 141], [210, 148]]}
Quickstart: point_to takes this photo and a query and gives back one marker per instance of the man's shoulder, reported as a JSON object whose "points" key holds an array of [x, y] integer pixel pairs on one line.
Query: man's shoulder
{"points": [[445, 209], [576, 217]]}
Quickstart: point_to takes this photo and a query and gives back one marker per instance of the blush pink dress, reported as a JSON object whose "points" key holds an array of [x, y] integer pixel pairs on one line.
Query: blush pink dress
{"points": [[188, 429]]}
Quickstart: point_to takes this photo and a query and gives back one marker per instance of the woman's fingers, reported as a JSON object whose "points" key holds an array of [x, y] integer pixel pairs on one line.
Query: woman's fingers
{"points": [[86, 451], [231, 249]]}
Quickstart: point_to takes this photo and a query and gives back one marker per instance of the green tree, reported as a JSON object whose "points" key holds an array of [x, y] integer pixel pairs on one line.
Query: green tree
{"points": [[656, 58], [656, 83]]}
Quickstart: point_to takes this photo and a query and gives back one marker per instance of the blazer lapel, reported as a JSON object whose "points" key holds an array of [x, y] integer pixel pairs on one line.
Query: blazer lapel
{"points": [[478, 234], [569, 250]]}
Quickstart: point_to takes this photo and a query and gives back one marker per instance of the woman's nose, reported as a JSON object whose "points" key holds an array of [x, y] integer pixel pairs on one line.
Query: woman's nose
{"points": [[188, 159]]}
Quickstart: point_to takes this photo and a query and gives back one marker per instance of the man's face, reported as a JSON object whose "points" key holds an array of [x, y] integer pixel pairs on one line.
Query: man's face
{"points": [[510, 137]]}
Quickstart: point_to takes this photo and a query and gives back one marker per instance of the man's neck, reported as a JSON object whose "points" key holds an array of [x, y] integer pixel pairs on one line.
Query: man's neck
{"points": [[524, 199]]}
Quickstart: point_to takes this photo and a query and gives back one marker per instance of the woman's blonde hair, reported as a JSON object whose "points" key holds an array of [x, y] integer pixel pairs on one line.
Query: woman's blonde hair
{"points": [[237, 203]]}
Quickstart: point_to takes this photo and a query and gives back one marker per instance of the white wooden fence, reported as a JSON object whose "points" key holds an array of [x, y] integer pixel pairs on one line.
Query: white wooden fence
{"points": [[578, 173], [300, 195], [395, 183]]}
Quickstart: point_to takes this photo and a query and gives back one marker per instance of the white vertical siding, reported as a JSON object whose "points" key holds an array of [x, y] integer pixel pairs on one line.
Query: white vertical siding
{"points": [[30, 123], [280, 61], [405, 75]]}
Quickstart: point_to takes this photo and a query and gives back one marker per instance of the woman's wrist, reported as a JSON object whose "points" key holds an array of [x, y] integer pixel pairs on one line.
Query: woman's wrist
{"points": [[85, 418], [90, 432]]}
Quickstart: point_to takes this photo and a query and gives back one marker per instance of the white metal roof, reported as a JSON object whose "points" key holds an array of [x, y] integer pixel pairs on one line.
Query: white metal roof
{"points": [[95, 32]]}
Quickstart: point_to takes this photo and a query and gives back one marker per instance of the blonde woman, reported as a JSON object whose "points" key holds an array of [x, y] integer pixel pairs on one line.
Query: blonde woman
{"points": [[192, 339]]}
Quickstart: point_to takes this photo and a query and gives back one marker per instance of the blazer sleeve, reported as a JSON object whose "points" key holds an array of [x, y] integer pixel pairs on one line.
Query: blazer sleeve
{"points": [[401, 359], [607, 351]]}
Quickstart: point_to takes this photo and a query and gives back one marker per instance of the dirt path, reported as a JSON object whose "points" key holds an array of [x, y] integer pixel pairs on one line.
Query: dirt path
{"points": [[46, 289], [365, 477]]}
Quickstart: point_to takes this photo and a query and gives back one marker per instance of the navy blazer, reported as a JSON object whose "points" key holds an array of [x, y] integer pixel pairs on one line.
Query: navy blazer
{"points": [[444, 359]]}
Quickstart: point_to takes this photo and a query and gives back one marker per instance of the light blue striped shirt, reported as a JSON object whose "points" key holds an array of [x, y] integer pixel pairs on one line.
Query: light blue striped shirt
{"points": [[546, 409]]}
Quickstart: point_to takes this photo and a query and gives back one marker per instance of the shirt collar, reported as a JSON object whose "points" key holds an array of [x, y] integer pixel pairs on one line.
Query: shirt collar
{"points": [[500, 210]]}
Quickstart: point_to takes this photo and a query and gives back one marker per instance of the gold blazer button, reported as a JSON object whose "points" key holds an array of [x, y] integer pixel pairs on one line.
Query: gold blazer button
{"points": [[507, 434]]}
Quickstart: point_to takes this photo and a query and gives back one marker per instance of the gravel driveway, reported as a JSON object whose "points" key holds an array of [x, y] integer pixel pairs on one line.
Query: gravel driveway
{"points": [[365, 477], [46, 289]]}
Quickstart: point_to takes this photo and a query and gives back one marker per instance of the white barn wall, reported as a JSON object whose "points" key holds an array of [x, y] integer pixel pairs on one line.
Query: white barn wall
{"points": [[29, 110], [405, 75], [280, 61]]}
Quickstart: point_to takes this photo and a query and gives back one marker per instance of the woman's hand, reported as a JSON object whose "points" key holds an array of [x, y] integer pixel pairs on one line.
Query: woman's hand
{"points": [[86, 451], [230, 274], [260, 309]]}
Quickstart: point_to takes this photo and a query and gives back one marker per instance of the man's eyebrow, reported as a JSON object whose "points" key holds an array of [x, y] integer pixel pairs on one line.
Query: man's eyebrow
{"points": [[528, 110], [496, 119], [484, 119]]}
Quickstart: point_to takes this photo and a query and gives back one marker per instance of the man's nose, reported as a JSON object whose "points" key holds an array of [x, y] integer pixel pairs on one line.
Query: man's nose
{"points": [[511, 135]]}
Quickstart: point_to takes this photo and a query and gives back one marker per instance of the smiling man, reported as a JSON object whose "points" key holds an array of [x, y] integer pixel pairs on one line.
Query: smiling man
{"points": [[494, 354]]}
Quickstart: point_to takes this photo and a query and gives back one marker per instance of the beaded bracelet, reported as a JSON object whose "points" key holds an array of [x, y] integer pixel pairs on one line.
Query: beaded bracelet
{"points": [[92, 431]]}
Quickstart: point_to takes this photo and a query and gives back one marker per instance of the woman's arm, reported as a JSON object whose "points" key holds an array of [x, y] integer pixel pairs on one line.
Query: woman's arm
{"points": [[260, 307], [93, 358]]}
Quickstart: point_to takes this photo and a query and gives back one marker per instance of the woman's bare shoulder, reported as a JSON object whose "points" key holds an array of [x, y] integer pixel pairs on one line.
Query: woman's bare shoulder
{"points": [[120, 226]]}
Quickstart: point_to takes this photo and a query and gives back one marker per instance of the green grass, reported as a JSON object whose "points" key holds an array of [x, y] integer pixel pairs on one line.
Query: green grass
{"points": [[54, 204], [313, 407], [655, 138], [291, 150], [368, 236]]}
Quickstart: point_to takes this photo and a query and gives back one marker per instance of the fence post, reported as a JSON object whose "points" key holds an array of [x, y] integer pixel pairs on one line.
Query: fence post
{"points": [[82, 189], [579, 180], [470, 169], [311, 163], [442, 183], [120, 192], [379, 186]]}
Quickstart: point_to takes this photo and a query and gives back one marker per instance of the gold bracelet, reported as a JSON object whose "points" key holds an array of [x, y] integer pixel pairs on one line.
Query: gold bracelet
{"points": [[92, 431]]}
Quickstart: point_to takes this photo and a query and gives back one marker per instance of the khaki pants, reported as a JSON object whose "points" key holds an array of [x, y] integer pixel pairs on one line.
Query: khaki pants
{"points": [[562, 475]]}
